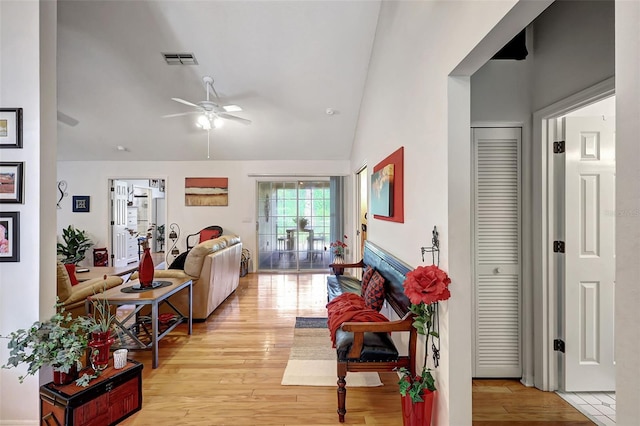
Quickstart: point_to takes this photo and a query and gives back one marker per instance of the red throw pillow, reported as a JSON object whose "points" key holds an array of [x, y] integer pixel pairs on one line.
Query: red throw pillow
{"points": [[71, 270], [209, 234], [374, 295], [368, 273]]}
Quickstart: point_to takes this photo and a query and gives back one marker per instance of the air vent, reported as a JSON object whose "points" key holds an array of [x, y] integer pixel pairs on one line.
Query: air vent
{"points": [[180, 58]]}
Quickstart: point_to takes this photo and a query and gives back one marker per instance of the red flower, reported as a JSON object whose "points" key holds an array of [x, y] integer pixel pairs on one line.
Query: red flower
{"points": [[428, 284]]}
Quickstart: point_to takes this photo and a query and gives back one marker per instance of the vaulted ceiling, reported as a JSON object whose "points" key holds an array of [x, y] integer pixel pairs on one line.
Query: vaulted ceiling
{"points": [[283, 62]]}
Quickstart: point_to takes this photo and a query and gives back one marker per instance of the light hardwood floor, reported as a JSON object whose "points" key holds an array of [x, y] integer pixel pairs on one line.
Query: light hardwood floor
{"points": [[228, 371]]}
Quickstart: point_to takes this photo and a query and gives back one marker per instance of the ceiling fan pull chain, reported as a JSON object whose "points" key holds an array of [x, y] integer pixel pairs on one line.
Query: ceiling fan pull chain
{"points": [[208, 133]]}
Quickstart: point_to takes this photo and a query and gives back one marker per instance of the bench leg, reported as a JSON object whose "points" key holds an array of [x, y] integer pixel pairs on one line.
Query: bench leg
{"points": [[342, 391]]}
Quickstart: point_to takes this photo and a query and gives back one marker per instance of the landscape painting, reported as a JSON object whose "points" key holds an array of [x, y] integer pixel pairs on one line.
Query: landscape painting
{"points": [[382, 191], [206, 191]]}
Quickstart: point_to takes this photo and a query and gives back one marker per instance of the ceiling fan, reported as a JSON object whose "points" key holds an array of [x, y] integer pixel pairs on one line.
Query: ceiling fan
{"points": [[211, 112]]}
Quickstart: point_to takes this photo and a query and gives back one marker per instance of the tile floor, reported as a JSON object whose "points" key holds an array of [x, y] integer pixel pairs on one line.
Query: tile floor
{"points": [[599, 407]]}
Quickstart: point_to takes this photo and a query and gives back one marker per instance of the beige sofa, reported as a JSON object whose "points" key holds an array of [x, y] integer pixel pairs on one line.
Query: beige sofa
{"points": [[73, 297], [214, 268]]}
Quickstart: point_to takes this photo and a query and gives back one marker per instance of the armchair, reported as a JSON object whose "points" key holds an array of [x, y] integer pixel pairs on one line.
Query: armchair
{"points": [[208, 233], [73, 297]]}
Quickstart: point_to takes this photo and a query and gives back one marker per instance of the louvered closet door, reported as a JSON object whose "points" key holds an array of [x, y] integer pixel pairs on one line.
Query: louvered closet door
{"points": [[497, 252]]}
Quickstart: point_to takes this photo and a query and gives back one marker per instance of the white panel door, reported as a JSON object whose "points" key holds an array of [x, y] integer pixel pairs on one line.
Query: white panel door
{"points": [[119, 234], [497, 252], [589, 253]]}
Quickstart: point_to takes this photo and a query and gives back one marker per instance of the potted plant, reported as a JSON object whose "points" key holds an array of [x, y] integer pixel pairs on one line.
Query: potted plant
{"points": [[302, 223], [59, 342], [425, 287], [100, 325], [74, 246]]}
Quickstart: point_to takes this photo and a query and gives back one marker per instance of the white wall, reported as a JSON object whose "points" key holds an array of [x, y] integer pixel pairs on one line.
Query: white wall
{"points": [[627, 299], [27, 80], [239, 217], [417, 46]]}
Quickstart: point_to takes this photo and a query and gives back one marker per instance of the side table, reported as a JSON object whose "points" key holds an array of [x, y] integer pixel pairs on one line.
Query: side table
{"points": [[110, 398]]}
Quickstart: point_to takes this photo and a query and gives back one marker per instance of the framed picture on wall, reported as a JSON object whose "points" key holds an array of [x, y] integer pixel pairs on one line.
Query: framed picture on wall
{"points": [[9, 236], [80, 203], [11, 182], [10, 127]]}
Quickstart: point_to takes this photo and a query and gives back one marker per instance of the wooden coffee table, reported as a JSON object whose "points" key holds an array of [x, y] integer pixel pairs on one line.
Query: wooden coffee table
{"points": [[140, 332]]}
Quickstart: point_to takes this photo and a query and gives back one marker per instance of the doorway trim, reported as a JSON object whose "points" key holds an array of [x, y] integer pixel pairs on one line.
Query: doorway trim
{"points": [[543, 225]]}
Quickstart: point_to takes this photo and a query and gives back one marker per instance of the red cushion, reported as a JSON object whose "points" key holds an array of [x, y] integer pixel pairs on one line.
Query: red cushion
{"points": [[209, 234], [71, 270], [374, 295], [368, 273]]}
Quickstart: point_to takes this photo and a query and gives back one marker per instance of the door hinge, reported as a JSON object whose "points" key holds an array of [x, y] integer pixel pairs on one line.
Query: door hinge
{"points": [[558, 147], [558, 246], [113, 223], [558, 345]]}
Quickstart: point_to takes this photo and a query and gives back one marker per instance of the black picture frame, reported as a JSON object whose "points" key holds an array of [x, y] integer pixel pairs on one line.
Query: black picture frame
{"points": [[10, 128], [11, 182], [81, 203], [9, 236]]}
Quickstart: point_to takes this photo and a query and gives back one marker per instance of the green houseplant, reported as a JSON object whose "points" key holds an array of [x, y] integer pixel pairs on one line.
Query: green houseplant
{"points": [[74, 246], [59, 342], [100, 323]]}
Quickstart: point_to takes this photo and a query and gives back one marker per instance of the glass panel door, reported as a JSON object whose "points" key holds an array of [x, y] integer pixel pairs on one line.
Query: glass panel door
{"points": [[294, 221]]}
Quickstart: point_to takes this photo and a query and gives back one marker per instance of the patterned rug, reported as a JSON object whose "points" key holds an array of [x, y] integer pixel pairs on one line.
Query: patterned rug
{"points": [[312, 361]]}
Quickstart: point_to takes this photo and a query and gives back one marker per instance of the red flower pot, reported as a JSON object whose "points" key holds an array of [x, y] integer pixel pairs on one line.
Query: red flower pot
{"points": [[417, 413], [100, 344], [145, 269], [61, 378]]}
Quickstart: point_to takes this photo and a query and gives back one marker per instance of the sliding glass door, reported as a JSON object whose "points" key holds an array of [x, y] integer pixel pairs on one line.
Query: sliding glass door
{"points": [[295, 224]]}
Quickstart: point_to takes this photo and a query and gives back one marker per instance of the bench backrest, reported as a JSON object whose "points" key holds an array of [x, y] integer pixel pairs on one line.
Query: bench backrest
{"points": [[394, 271]]}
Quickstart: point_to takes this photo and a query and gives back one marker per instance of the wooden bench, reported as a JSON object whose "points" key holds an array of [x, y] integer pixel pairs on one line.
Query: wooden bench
{"points": [[366, 346]]}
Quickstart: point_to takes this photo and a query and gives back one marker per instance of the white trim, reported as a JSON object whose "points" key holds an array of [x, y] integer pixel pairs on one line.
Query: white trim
{"points": [[545, 298], [496, 124]]}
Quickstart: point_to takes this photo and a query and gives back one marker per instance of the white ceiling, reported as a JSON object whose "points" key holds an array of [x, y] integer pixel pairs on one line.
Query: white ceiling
{"points": [[283, 62]]}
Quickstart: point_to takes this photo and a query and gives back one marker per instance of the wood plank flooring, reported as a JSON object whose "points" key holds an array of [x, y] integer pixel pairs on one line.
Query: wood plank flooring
{"points": [[228, 372]]}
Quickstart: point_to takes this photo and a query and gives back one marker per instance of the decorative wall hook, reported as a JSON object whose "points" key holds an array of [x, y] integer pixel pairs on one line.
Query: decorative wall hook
{"points": [[62, 189], [434, 249]]}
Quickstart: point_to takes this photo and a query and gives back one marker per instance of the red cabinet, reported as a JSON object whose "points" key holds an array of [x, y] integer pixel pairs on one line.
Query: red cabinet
{"points": [[113, 396]]}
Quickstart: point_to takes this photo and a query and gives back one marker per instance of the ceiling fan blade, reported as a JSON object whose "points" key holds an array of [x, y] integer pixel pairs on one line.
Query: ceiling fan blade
{"points": [[232, 108], [66, 119], [182, 101], [234, 118], [180, 114]]}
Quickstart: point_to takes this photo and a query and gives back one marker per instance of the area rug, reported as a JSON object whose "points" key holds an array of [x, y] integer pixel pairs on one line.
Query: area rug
{"points": [[312, 361]]}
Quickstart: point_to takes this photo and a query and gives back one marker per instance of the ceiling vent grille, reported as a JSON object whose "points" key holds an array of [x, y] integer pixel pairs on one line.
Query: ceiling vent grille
{"points": [[180, 58]]}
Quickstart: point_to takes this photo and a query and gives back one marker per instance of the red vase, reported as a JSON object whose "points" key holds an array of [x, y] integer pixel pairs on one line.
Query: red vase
{"points": [[62, 378], [145, 269], [417, 413], [100, 344]]}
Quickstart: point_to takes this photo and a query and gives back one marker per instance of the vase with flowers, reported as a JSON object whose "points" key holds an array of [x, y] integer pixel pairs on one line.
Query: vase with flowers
{"points": [[425, 286], [338, 249]]}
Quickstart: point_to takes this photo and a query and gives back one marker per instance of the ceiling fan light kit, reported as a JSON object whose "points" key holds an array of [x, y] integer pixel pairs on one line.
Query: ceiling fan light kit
{"points": [[211, 109]]}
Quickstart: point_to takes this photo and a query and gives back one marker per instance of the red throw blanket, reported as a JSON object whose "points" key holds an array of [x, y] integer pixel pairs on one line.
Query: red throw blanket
{"points": [[349, 307]]}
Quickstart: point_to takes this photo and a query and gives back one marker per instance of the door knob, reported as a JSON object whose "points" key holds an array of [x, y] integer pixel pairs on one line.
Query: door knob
{"points": [[498, 270]]}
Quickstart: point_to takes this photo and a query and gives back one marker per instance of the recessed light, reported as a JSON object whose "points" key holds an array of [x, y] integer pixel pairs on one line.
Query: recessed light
{"points": [[121, 148], [330, 111]]}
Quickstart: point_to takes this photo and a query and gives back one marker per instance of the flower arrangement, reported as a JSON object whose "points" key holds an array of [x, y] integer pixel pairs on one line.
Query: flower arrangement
{"points": [[425, 286], [338, 247], [142, 240]]}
